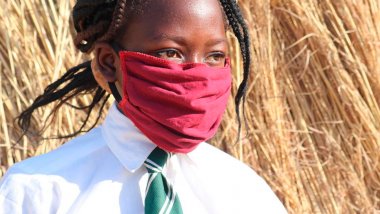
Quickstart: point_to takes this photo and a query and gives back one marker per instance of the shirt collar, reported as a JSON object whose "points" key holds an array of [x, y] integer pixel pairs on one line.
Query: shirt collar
{"points": [[126, 142]]}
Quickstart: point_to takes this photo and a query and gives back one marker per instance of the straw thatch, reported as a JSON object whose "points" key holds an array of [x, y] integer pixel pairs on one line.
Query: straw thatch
{"points": [[312, 111]]}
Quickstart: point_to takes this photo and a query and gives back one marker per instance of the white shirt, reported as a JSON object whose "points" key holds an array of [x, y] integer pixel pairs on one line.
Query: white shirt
{"points": [[103, 172]]}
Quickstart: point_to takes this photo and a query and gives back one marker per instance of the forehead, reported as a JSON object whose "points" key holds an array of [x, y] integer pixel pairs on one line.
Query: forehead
{"points": [[178, 9], [186, 7], [182, 16]]}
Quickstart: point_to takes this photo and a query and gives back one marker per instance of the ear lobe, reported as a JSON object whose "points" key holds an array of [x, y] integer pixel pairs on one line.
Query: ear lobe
{"points": [[99, 76], [107, 61]]}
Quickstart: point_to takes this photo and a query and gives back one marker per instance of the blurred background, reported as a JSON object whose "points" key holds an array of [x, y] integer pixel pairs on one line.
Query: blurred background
{"points": [[312, 109]]}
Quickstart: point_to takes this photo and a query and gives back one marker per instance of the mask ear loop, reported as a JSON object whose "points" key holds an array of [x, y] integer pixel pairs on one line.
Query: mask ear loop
{"points": [[112, 85], [114, 91]]}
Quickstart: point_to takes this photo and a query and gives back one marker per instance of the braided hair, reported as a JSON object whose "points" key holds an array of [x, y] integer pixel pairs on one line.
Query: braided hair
{"points": [[100, 21]]}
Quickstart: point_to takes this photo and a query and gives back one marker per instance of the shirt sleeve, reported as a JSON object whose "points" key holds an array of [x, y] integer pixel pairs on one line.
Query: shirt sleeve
{"points": [[25, 193], [259, 197], [9, 206]]}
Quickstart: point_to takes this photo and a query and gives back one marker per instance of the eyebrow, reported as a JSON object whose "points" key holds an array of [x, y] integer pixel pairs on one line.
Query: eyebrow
{"points": [[160, 37], [216, 42], [181, 40]]}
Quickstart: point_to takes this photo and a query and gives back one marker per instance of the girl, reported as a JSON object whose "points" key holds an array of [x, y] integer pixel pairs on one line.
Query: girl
{"points": [[165, 62]]}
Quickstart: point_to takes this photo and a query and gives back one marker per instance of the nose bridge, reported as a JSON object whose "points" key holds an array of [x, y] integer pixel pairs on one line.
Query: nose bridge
{"points": [[194, 57]]}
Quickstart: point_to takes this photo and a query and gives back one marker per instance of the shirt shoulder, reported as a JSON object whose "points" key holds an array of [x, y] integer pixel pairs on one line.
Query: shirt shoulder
{"points": [[64, 156], [234, 184], [40, 183], [216, 160]]}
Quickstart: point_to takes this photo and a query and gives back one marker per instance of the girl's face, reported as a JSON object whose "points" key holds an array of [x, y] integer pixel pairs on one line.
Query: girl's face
{"points": [[185, 31]]}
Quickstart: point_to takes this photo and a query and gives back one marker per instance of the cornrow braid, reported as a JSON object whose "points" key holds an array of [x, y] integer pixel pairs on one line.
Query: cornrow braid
{"points": [[236, 21], [93, 19], [77, 80], [119, 18]]}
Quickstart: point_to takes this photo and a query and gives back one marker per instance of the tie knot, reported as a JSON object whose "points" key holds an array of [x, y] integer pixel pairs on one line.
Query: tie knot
{"points": [[156, 160]]}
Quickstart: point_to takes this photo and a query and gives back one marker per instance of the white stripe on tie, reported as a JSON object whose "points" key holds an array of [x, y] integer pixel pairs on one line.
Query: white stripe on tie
{"points": [[167, 200], [154, 164], [150, 180], [152, 168], [171, 203]]}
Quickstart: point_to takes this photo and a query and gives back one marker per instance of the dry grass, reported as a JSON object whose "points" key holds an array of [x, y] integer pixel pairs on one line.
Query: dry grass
{"points": [[312, 109]]}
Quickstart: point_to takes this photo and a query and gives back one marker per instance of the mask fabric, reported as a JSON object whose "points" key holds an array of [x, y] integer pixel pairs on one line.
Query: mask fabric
{"points": [[177, 106]]}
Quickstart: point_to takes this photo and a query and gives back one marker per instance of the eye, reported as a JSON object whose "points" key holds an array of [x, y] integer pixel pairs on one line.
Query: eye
{"points": [[170, 54], [216, 59]]}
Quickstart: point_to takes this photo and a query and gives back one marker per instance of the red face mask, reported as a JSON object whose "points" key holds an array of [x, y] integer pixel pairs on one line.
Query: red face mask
{"points": [[177, 106]]}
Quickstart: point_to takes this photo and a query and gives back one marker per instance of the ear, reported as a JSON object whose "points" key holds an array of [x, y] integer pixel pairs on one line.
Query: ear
{"points": [[102, 82], [107, 61]]}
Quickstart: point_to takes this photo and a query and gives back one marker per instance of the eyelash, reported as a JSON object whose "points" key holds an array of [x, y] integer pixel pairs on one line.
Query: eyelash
{"points": [[219, 55], [157, 53]]}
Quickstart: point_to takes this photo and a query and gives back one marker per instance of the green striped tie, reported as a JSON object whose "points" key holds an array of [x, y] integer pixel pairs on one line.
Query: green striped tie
{"points": [[160, 196]]}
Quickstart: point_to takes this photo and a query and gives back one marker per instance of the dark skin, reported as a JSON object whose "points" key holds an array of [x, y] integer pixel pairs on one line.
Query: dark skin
{"points": [[186, 31]]}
